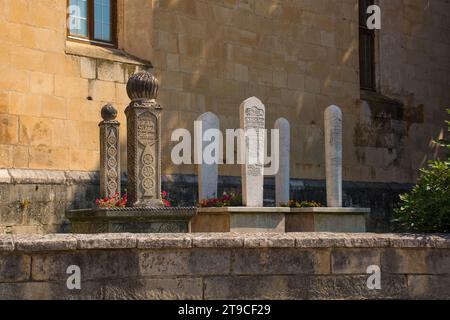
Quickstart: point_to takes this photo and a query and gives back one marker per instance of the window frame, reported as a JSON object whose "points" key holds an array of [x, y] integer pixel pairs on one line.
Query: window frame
{"points": [[91, 26], [366, 33]]}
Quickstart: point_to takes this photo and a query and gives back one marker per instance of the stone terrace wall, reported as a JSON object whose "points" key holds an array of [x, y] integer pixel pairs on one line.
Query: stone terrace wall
{"points": [[225, 266]]}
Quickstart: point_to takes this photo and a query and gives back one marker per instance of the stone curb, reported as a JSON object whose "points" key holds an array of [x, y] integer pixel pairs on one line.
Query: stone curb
{"points": [[62, 242]]}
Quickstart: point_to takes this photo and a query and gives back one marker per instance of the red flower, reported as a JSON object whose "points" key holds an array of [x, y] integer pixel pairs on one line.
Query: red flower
{"points": [[115, 201]]}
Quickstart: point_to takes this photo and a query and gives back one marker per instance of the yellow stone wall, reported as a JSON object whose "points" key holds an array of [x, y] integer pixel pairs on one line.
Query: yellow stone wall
{"points": [[52, 90], [297, 56]]}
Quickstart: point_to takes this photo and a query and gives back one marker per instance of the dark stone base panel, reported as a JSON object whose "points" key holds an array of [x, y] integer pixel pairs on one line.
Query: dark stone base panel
{"points": [[381, 198]]}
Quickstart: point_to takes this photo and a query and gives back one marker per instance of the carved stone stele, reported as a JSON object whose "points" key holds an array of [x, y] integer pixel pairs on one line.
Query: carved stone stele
{"points": [[333, 155], [253, 122], [109, 153], [144, 142]]}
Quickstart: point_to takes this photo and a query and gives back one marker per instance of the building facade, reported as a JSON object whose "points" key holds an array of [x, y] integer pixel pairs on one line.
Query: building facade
{"points": [[297, 56]]}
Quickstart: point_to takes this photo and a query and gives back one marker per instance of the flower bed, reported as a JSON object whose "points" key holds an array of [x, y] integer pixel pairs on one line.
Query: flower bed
{"points": [[227, 200], [117, 201]]}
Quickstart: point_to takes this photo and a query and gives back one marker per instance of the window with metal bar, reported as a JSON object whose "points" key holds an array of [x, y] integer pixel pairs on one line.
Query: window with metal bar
{"points": [[366, 48]]}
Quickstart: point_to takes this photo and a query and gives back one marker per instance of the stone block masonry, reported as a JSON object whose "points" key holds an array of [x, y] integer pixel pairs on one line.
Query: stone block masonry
{"points": [[225, 266], [296, 56]]}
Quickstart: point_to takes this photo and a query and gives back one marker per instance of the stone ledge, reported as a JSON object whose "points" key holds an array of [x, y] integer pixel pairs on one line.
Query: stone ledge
{"points": [[5, 177], [248, 210], [19, 176], [54, 242], [110, 54], [61, 242], [331, 210], [48, 177]]}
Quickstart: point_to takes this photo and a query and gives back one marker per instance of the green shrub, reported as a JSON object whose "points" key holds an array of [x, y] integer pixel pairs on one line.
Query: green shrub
{"points": [[301, 204], [444, 143], [427, 207]]}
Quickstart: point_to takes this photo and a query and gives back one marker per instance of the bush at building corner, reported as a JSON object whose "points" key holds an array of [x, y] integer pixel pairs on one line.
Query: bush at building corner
{"points": [[427, 207]]}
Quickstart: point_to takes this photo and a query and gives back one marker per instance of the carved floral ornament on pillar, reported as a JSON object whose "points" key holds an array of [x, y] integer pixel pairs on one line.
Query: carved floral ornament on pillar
{"points": [[144, 141], [110, 153]]}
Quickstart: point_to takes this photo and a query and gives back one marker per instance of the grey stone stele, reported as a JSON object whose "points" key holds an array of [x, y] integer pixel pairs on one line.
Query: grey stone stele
{"points": [[208, 174], [333, 155], [282, 178], [253, 118], [109, 153], [144, 141]]}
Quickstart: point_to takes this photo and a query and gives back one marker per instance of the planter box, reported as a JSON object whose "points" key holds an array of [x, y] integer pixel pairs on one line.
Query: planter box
{"points": [[327, 220], [240, 219], [131, 220]]}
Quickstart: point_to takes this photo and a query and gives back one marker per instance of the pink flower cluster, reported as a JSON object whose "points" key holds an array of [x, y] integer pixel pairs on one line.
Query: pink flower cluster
{"points": [[227, 200], [115, 201], [166, 202]]}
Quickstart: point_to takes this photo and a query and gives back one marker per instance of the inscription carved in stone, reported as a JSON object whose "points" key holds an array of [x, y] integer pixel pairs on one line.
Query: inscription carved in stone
{"points": [[252, 113], [146, 129], [254, 125], [147, 138], [255, 117], [144, 143]]}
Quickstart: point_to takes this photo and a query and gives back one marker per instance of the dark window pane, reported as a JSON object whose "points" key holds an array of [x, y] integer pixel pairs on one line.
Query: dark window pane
{"points": [[366, 48], [367, 60], [363, 16]]}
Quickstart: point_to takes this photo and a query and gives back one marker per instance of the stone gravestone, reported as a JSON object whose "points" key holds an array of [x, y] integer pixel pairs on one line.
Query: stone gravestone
{"points": [[208, 173], [145, 211], [109, 153], [144, 141], [253, 117], [282, 178], [334, 218], [253, 217], [333, 155]]}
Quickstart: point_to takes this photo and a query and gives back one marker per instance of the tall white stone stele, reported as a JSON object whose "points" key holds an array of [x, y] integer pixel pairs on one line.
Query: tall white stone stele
{"points": [[282, 178], [253, 119], [208, 169], [333, 155]]}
